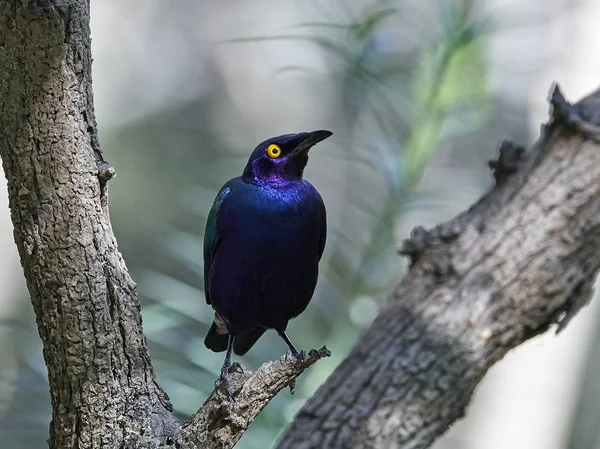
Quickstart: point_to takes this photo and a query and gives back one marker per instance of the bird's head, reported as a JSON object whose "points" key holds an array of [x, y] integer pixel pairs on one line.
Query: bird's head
{"points": [[281, 159]]}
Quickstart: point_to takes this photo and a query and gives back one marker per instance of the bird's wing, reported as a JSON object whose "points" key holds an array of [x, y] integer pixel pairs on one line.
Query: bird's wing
{"points": [[323, 230], [212, 237]]}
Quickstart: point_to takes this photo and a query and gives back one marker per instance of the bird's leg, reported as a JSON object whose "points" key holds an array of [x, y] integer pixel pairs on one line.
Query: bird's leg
{"points": [[224, 377], [297, 354]]}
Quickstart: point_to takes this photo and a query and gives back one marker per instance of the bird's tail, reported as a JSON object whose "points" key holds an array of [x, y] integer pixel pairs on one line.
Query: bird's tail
{"points": [[245, 340], [242, 344], [214, 341]]}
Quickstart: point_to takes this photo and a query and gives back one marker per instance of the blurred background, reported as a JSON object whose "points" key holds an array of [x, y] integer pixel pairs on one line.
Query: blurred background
{"points": [[418, 94]]}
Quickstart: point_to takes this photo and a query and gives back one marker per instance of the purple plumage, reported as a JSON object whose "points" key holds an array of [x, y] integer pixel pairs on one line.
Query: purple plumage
{"points": [[264, 238]]}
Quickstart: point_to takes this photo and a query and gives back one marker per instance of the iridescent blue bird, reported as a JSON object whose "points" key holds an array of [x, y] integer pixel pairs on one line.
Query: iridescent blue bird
{"points": [[264, 237]]}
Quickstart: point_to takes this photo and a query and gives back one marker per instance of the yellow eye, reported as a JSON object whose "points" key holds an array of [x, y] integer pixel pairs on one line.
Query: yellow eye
{"points": [[274, 151]]}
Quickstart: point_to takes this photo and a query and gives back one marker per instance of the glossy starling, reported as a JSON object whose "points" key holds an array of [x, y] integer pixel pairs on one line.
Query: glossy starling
{"points": [[264, 238]]}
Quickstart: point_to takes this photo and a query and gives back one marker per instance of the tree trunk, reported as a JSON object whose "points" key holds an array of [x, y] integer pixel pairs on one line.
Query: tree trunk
{"points": [[521, 259], [102, 386]]}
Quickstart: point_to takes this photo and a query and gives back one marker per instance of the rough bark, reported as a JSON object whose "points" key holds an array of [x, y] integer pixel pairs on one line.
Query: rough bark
{"points": [[220, 423], [102, 385], [521, 259]]}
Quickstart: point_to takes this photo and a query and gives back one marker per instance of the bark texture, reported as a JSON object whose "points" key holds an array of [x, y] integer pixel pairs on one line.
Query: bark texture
{"points": [[220, 424], [102, 385], [517, 262], [520, 260]]}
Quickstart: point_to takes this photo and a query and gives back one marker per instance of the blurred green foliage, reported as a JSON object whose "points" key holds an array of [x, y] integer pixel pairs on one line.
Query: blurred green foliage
{"points": [[400, 109]]}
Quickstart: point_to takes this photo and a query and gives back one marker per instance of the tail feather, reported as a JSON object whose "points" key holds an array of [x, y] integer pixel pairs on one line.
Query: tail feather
{"points": [[216, 342], [245, 340], [242, 344]]}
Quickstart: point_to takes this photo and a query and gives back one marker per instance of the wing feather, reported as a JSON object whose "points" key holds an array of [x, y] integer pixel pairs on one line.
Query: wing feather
{"points": [[212, 237]]}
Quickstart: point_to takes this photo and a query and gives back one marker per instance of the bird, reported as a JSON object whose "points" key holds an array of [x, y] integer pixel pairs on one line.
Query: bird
{"points": [[264, 237]]}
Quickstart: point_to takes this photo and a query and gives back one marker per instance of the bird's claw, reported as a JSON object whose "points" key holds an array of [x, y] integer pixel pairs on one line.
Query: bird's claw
{"points": [[297, 355], [301, 355], [236, 367], [223, 380]]}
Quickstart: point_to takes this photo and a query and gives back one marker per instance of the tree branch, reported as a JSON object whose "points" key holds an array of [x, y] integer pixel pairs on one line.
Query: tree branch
{"points": [[520, 260], [220, 424]]}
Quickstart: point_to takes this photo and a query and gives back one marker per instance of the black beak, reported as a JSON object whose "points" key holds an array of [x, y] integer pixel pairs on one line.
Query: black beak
{"points": [[311, 139]]}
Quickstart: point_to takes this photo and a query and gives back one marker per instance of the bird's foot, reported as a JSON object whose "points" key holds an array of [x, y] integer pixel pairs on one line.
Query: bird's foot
{"points": [[223, 380], [235, 366], [298, 355]]}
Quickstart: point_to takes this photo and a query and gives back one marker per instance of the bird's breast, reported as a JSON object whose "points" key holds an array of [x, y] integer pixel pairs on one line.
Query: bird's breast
{"points": [[269, 236], [268, 256], [273, 211]]}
